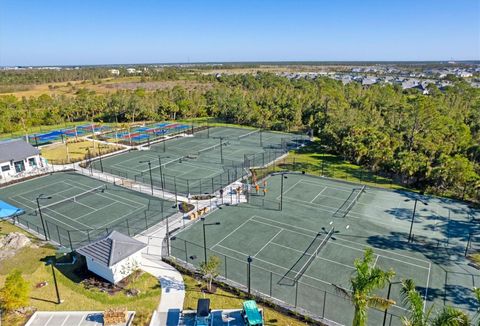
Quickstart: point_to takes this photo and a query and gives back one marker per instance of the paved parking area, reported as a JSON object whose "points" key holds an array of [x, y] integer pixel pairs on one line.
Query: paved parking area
{"points": [[71, 318]]}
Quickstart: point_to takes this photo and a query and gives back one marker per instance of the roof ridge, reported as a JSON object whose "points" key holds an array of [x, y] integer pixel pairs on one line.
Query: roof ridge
{"points": [[112, 250]]}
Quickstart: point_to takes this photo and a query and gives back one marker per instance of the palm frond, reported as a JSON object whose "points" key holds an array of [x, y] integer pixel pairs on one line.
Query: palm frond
{"points": [[450, 316], [379, 302]]}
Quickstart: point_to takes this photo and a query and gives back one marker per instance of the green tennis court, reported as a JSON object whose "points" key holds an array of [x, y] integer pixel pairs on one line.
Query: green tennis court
{"points": [[202, 163], [302, 254], [77, 209]]}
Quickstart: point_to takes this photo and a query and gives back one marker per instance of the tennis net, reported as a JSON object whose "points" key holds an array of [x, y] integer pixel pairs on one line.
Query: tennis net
{"points": [[73, 199], [314, 253], [211, 148], [248, 134], [349, 203], [164, 165]]}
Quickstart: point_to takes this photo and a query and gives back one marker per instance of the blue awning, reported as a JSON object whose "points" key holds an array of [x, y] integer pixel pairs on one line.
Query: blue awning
{"points": [[7, 210]]}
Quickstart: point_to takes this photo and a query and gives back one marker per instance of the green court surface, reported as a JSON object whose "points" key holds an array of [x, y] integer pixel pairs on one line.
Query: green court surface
{"points": [[203, 163], [283, 244], [97, 209]]}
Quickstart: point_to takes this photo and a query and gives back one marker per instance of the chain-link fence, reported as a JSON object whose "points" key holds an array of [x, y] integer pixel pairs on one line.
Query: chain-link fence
{"points": [[315, 298]]}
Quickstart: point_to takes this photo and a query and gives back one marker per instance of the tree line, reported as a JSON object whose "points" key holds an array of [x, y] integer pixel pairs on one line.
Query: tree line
{"points": [[430, 141]]}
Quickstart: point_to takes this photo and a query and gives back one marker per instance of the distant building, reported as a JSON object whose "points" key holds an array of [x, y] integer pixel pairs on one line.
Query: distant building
{"points": [[369, 81], [115, 72], [131, 70], [18, 157], [114, 257], [464, 74]]}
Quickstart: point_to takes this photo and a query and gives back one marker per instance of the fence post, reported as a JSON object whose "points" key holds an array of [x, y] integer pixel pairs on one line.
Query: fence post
{"points": [[88, 236], [296, 293], [58, 234], [146, 220], [213, 190], [271, 276], [188, 187], [225, 266], [70, 239], [128, 227], [324, 303], [186, 253]]}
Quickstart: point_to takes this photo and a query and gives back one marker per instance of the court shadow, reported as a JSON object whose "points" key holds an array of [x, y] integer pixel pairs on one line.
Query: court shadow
{"points": [[302, 263]]}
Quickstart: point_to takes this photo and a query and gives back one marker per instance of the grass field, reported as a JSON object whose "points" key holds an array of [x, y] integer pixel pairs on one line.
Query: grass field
{"points": [[61, 153], [31, 262]]}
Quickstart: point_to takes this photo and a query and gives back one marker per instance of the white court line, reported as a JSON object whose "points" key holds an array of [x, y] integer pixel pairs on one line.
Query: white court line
{"points": [[269, 241], [94, 211], [122, 199], [290, 188], [426, 288], [238, 227], [37, 188], [317, 257], [67, 217], [281, 267], [376, 260], [121, 217], [321, 191], [355, 243]]}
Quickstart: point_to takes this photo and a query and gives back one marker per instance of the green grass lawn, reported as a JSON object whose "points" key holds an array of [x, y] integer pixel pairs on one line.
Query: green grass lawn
{"points": [[77, 151], [225, 300], [31, 261], [313, 160]]}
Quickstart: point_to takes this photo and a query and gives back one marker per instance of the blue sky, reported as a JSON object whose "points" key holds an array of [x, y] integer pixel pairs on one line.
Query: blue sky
{"points": [[70, 32]]}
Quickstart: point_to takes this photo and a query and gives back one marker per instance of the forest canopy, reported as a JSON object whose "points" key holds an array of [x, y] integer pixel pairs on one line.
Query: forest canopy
{"points": [[431, 141]]}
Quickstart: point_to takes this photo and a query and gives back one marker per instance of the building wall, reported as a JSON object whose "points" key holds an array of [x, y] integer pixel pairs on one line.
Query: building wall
{"points": [[118, 271], [100, 270], [31, 163]]}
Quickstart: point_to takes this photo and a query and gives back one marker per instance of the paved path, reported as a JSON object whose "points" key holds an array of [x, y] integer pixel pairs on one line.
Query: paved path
{"points": [[173, 291]]}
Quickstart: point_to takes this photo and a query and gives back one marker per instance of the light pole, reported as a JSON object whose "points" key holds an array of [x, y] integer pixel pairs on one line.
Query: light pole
{"points": [[468, 244], [413, 215], [281, 190], [249, 266], [150, 171], [388, 298], [205, 238], [51, 262], [42, 197]]}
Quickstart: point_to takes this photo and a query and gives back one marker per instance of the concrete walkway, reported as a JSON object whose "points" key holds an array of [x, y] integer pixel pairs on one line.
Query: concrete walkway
{"points": [[173, 291]]}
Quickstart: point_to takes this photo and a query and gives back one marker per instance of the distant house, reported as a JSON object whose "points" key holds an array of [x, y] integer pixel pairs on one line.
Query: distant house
{"points": [[114, 257], [464, 74], [115, 72], [17, 157], [131, 70], [369, 81]]}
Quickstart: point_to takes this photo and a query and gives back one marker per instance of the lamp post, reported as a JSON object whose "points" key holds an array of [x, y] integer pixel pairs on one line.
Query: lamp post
{"points": [[205, 238], [468, 243], [388, 298], [51, 262], [150, 171], [42, 197], [413, 216], [281, 191], [249, 266]]}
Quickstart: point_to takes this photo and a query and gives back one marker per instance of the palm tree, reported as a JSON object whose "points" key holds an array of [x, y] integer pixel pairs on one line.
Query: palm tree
{"points": [[477, 296], [368, 278], [450, 316], [412, 299]]}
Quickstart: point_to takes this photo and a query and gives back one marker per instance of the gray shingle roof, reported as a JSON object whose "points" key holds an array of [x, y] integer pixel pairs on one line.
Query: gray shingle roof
{"points": [[111, 249], [16, 150]]}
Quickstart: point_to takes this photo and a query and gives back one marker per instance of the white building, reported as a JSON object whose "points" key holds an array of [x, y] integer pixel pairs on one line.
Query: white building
{"points": [[18, 158], [131, 70], [115, 72], [114, 257]]}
